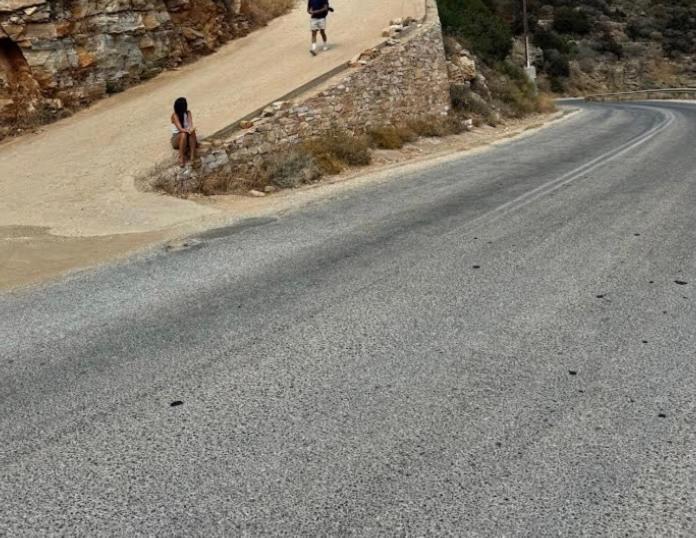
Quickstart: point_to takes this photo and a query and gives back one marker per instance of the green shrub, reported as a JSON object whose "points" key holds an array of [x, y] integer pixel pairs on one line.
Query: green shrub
{"points": [[568, 20], [556, 64], [546, 40], [465, 100], [515, 94], [557, 85], [607, 44], [475, 22]]}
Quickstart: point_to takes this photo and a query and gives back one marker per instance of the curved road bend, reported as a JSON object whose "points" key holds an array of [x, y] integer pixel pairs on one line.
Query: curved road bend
{"points": [[495, 346]]}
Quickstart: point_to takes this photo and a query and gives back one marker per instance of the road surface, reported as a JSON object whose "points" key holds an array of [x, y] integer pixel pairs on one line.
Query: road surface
{"points": [[501, 345], [77, 176]]}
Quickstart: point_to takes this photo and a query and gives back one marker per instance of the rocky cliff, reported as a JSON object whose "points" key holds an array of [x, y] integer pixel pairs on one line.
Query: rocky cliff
{"points": [[588, 46], [584, 46], [66, 53]]}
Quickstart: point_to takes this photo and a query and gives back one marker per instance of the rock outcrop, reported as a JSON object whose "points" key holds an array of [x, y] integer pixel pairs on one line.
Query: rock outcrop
{"points": [[66, 53]]}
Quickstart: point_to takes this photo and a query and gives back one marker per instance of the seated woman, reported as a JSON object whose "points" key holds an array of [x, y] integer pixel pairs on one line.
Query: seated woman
{"points": [[183, 131]]}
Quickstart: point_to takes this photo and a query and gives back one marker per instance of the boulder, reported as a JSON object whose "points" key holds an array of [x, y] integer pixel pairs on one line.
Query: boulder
{"points": [[191, 35], [14, 5], [13, 31]]}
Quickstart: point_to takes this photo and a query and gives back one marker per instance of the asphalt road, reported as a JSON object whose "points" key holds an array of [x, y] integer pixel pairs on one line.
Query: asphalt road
{"points": [[502, 345]]}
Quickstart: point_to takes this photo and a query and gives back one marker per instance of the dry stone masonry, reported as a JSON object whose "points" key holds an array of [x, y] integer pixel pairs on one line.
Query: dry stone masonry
{"points": [[404, 80], [58, 53]]}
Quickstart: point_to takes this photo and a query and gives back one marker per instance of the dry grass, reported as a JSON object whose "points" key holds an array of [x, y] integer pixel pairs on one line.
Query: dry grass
{"points": [[262, 11], [436, 126], [546, 103], [220, 183], [335, 151], [290, 169], [391, 137], [329, 154]]}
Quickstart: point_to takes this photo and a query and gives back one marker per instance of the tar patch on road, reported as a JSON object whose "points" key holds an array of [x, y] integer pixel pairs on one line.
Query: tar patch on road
{"points": [[680, 282], [226, 231], [183, 245], [176, 403]]}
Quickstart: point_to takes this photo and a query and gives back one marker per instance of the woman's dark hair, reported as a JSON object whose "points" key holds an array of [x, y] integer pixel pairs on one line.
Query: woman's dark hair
{"points": [[180, 109]]}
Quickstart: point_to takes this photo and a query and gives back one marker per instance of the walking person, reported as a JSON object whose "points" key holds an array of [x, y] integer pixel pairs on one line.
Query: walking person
{"points": [[183, 132], [318, 11]]}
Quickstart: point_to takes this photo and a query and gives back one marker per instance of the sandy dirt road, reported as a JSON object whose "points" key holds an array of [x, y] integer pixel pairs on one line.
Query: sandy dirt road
{"points": [[76, 177]]}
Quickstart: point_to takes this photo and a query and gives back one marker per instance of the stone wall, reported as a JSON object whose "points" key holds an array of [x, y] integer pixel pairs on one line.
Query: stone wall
{"points": [[403, 80], [56, 53]]}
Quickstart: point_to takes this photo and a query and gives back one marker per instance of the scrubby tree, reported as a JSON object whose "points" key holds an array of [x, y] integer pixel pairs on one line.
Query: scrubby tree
{"points": [[478, 25], [568, 20]]}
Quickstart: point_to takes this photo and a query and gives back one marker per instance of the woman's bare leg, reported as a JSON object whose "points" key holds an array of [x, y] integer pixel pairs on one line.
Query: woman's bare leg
{"points": [[193, 144], [182, 149]]}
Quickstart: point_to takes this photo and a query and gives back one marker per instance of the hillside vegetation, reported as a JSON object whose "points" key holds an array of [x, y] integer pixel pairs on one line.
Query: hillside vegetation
{"points": [[584, 46]]}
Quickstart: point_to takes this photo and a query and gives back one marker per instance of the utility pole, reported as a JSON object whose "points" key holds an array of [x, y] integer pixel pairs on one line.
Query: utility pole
{"points": [[529, 69], [525, 22]]}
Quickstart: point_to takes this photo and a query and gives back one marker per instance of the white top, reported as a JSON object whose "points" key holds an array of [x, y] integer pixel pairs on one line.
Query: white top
{"points": [[175, 129]]}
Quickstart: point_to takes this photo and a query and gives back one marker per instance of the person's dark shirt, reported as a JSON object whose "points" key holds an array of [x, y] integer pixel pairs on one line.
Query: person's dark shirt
{"points": [[314, 5]]}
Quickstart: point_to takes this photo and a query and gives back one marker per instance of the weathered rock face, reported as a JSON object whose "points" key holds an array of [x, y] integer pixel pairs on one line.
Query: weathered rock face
{"points": [[56, 53], [461, 65]]}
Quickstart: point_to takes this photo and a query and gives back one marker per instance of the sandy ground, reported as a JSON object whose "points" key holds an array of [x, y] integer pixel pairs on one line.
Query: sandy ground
{"points": [[29, 254], [76, 177]]}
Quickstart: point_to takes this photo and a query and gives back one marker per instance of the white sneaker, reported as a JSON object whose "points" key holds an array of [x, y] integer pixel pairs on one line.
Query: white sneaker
{"points": [[325, 47], [313, 52]]}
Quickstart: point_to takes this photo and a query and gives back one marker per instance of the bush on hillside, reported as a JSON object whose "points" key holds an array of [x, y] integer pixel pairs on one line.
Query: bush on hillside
{"points": [[336, 150], [514, 94], [291, 168], [546, 40], [474, 22], [391, 137], [568, 20], [607, 44], [556, 64]]}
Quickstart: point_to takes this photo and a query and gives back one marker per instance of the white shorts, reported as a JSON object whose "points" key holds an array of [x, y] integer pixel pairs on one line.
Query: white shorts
{"points": [[317, 24]]}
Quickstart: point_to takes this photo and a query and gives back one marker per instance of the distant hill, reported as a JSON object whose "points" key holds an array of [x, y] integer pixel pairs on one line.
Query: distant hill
{"points": [[582, 46]]}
